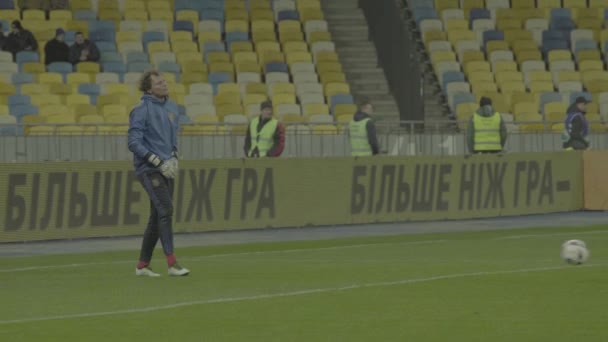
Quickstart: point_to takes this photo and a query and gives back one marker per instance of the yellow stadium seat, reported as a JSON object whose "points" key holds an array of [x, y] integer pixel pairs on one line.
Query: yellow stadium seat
{"points": [[259, 4], [34, 88], [472, 67], [183, 46], [484, 76], [247, 67], [194, 67], [344, 110], [76, 99], [336, 88], [161, 15], [241, 47], [541, 86], [180, 36], [326, 56], [255, 88], [237, 14], [521, 45], [528, 55], [297, 57], [456, 24], [322, 36], [226, 99], [229, 109], [483, 86], [471, 56], [272, 56], [324, 129], [509, 87], [282, 88], [154, 47], [325, 67], [186, 57], [464, 111], [33, 14], [245, 57], [44, 99], [33, 68], [295, 46], [117, 88], [128, 36], [261, 14], [514, 35], [222, 67], [289, 26], [225, 88], [64, 15], [236, 26], [258, 26], [262, 47], [188, 15], [548, 3], [332, 77], [56, 109], [110, 14], [114, 110], [504, 66], [251, 99], [291, 37], [60, 89], [496, 45], [588, 55], [568, 75], [264, 36], [311, 14], [78, 26], [596, 65], [78, 78], [84, 109], [459, 35], [218, 57], [597, 86], [279, 99], [574, 4], [137, 15], [315, 109], [193, 77], [50, 78], [508, 24], [161, 5], [108, 99], [204, 37], [88, 67]]}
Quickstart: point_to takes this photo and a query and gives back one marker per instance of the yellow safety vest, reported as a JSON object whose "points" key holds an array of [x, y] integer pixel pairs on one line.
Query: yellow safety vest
{"points": [[262, 140], [359, 143], [487, 132]]}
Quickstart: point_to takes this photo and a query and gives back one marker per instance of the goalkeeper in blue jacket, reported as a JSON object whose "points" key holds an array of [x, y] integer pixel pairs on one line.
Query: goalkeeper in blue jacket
{"points": [[153, 128]]}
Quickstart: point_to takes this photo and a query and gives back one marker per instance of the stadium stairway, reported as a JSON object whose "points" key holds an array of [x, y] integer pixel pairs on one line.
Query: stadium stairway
{"points": [[358, 56]]}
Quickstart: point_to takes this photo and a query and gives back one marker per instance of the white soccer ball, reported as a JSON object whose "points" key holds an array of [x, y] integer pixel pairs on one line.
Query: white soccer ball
{"points": [[574, 252]]}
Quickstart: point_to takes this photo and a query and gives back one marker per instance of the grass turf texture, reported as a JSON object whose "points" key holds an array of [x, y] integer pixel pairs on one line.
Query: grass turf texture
{"points": [[427, 287]]}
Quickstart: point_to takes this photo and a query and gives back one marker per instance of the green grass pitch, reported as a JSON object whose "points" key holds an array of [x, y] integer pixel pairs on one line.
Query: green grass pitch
{"points": [[484, 286]]}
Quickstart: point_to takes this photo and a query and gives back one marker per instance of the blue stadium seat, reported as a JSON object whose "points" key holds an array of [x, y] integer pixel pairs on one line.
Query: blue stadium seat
{"points": [[139, 67], [110, 56], [561, 13], [212, 46], [186, 5], [478, 13], [585, 45], [20, 111], [341, 99], [562, 24], [115, 67], [232, 37], [492, 35], [69, 37], [22, 78], [86, 15], [424, 13], [463, 98], [102, 36], [27, 56], [152, 36], [183, 25], [549, 97], [169, 67], [414, 4], [133, 57], [288, 15], [106, 46], [216, 78], [451, 76], [6, 25], [14, 100], [211, 14], [60, 67], [277, 67], [102, 25], [550, 45], [89, 89], [7, 4]]}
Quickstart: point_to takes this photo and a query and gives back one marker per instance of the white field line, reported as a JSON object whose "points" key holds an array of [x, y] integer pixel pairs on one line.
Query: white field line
{"points": [[298, 250], [291, 294], [405, 243]]}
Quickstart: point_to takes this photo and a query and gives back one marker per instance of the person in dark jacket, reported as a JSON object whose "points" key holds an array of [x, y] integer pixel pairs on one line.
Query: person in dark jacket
{"points": [[83, 50], [56, 50], [20, 39], [362, 132], [2, 37], [576, 126], [487, 132], [265, 135]]}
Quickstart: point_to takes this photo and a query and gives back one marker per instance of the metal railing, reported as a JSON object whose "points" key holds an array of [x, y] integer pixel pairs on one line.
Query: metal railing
{"points": [[59, 142]]}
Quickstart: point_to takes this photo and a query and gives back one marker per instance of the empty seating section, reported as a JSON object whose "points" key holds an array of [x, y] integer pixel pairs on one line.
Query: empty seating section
{"points": [[531, 57], [222, 58]]}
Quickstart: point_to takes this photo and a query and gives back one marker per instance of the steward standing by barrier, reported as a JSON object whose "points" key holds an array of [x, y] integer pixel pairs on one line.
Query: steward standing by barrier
{"points": [[265, 135], [576, 127], [152, 138], [487, 132], [362, 132]]}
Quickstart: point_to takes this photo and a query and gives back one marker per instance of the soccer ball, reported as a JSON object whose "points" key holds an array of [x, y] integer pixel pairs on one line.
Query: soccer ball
{"points": [[574, 252]]}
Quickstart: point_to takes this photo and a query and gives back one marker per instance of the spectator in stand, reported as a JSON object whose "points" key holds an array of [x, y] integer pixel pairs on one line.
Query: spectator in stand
{"points": [[20, 39], [575, 136], [362, 132], [2, 37], [265, 136], [487, 131], [56, 50], [83, 50]]}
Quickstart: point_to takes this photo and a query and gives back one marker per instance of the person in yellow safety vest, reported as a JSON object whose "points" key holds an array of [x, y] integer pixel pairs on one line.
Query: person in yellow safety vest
{"points": [[362, 132], [487, 132], [265, 135]]}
